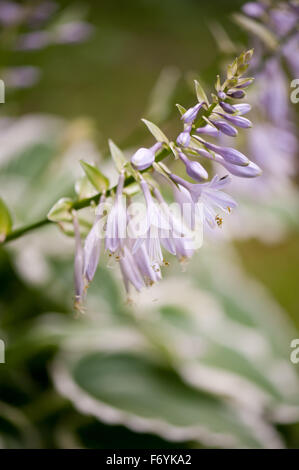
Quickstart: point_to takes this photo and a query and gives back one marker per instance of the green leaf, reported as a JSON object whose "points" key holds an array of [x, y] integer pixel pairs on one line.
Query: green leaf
{"points": [[60, 212], [218, 84], [257, 29], [84, 189], [200, 93], [5, 220], [147, 396], [117, 155], [181, 109], [156, 131], [95, 176]]}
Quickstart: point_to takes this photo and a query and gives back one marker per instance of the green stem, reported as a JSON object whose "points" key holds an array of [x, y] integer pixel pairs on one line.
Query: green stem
{"points": [[25, 229], [77, 205]]}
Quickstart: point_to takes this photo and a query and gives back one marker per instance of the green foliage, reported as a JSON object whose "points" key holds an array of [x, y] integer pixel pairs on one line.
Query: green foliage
{"points": [[95, 176], [5, 220]]}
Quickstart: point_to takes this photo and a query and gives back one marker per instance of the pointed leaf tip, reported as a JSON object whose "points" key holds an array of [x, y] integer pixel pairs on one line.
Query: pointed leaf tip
{"points": [[200, 93], [95, 176], [117, 155], [156, 131]]}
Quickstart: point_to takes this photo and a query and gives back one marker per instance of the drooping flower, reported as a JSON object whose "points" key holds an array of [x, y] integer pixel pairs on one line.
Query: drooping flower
{"points": [[92, 245], [210, 195], [116, 220], [154, 224], [79, 262], [229, 154], [130, 271]]}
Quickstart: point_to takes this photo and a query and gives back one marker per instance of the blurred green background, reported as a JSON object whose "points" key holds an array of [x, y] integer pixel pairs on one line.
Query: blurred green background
{"points": [[109, 80]]}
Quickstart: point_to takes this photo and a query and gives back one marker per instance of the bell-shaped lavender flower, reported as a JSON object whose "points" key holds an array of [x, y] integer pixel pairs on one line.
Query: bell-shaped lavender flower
{"points": [[116, 220], [225, 128], [155, 223], [186, 204], [92, 245], [190, 115], [208, 130], [144, 157], [210, 195], [237, 120], [150, 273], [229, 154], [181, 239], [184, 137], [130, 271], [213, 197], [79, 262], [194, 169]]}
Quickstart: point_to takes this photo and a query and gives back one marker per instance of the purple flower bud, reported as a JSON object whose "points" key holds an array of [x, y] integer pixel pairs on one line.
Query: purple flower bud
{"points": [[229, 154], [233, 156], [228, 108], [184, 137], [222, 95], [236, 94], [250, 171], [226, 128], [208, 130], [237, 121], [191, 113], [144, 157], [245, 84], [242, 108], [204, 153], [194, 169]]}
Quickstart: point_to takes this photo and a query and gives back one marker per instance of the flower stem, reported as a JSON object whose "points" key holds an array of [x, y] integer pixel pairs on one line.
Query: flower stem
{"points": [[81, 204]]}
